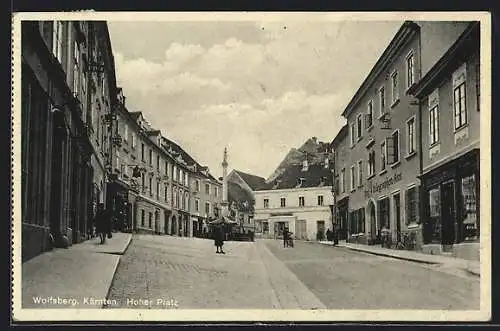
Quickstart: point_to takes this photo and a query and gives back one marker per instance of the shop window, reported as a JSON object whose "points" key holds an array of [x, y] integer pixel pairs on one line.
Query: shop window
{"points": [[433, 232], [411, 205], [469, 205], [265, 227], [384, 213]]}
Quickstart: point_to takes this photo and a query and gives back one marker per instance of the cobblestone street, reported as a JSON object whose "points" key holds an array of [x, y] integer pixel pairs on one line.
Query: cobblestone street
{"points": [[171, 272]]}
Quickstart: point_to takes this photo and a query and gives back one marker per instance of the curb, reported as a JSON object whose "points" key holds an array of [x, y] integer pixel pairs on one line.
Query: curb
{"points": [[104, 305]]}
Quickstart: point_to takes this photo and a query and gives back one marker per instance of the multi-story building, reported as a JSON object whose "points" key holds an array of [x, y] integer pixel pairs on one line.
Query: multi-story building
{"points": [[298, 199], [340, 150], [206, 193], [241, 187], [68, 89], [381, 170], [449, 98]]}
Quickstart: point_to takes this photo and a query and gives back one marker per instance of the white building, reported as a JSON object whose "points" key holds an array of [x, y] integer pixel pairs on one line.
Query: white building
{"points": [[299, 199]]}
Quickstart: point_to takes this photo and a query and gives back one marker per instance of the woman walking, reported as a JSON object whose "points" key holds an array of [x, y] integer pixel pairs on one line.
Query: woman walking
{"points": [[219, 239]]}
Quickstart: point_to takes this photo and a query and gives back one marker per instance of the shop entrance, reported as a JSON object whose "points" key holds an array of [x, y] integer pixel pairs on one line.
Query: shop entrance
{"points": [[373, 220], [448, 215]]}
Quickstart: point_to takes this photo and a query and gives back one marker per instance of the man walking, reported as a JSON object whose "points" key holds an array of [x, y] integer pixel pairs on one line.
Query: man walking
{"points": [[285, 237], [219, 239]]}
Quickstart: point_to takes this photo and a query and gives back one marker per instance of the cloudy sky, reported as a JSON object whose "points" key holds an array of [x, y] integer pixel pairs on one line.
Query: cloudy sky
{"points": [[259, 88]]}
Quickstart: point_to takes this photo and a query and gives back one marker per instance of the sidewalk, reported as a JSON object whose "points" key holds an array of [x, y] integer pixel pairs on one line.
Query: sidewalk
{"points": [[472, 267], [77, 277]]}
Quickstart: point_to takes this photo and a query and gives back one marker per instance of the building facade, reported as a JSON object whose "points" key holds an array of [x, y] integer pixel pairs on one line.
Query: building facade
{"points": [[298, 199], [241, 187], [68, 84], [449, 98], [206, 197], [379, 159], [340, 150]]}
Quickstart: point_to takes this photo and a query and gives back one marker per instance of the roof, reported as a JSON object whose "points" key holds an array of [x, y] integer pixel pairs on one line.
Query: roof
{"points": [[253, 181], [455, 55], [135, 114], [315, 176], [153, 132], [340, 136], [399, 39]]}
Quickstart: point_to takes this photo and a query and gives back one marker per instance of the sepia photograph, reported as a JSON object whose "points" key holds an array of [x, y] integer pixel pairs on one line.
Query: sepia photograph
{"points": [[251, 166]]}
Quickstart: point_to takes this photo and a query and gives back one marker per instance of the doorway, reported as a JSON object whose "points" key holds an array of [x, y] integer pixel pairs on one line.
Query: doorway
{"points": [[397, 215], [373, 220], [301, 230], [448, 215]]}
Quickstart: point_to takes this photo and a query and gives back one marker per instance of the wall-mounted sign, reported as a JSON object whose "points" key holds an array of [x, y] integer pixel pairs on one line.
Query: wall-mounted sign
{"points": [[374, 187]]}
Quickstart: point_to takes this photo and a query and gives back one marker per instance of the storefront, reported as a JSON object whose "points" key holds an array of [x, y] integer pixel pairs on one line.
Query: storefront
{"points": [[451, 202]]}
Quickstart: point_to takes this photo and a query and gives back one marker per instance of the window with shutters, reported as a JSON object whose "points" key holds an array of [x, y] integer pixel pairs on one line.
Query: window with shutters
{"points": [[395, 87], [353, 178], [359, 123], [371, 163], [381, 98], [369, 115], [360, 173], [383, 155], [411, 200], [301, 201]]}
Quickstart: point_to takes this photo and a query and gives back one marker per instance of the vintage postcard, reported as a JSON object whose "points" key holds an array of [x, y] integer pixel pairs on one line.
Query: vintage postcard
{"points": [[200, 167]]}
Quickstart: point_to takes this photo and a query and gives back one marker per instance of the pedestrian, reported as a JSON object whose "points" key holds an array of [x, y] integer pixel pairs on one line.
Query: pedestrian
{"points": [[100, 222], [329, 236], [285, 237], [219, 239]]}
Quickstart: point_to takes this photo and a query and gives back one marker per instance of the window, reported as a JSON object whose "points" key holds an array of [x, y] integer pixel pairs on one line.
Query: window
{"points": [[174, 172], [207, 208], [383, 155], [410, 136], [469, 205], [167, 169], [410, 70], [207, 188], [197, 205], [395, 86], [142, 152], [265, 227], [383, 206], [150, 156], [371, 163], [57, 40], [150, 185], [133, 140], [301, 202], [381, 97], [143, 218], [158, 162], [434, 125], [197, 185], [360, 173], [353, 178], [283, 202], [166, 193], [125, 131], [76, 68], [216, 191], [411, 205], [143, 182], [353, 132], [342, 180], [459, 106], [359, 122], [266, 203], [158, 190], [392, 148], [369, 115], [320, 200], [150, 223]]}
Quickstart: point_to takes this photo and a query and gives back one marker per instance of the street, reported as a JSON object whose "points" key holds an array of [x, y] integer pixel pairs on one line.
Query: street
{"points": [[172, 272]]}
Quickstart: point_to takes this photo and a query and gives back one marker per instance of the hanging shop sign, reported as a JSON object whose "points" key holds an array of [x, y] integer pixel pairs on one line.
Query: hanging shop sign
{"points": [[374, 187]]}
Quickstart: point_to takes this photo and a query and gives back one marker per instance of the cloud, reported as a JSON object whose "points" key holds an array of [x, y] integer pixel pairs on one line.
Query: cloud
{"points": [[259, 95]]}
